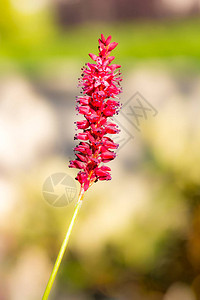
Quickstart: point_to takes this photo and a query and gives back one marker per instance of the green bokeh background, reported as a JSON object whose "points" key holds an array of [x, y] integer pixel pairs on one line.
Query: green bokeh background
{"points": [[138, 236]]}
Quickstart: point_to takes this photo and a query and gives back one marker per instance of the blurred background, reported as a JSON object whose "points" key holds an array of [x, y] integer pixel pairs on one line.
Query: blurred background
{"points": [[137, 236]]}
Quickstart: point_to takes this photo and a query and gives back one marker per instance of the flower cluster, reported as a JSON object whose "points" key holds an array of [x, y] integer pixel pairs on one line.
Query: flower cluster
{"points": [[100, 83]]}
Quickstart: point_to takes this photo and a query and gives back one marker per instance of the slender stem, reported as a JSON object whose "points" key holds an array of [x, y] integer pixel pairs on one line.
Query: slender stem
{"points": [[63, 247]]}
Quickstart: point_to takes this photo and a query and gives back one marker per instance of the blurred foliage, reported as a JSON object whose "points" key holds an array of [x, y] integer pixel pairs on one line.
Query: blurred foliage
{"points": [[138, 235], [23, 31], [36, 37]]}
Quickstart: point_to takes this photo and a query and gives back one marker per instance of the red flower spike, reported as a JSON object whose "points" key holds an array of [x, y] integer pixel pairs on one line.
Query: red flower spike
{"points": [[100, 83]]}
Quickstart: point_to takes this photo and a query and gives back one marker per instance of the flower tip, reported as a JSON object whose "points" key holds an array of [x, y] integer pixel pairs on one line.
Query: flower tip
{"points": [[107, 42], [109, 178], [112, 46], [93, 56], [103, 38]]}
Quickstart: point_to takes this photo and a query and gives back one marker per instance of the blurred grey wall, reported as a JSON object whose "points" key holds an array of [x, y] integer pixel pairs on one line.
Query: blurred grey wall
{"points": [[78, 11]]}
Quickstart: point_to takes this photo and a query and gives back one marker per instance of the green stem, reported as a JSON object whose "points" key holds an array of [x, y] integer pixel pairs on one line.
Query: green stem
{"points": [[63, 248]]}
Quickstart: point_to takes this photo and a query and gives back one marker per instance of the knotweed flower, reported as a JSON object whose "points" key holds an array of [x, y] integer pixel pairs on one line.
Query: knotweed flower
{"points": [[100, 83]]}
